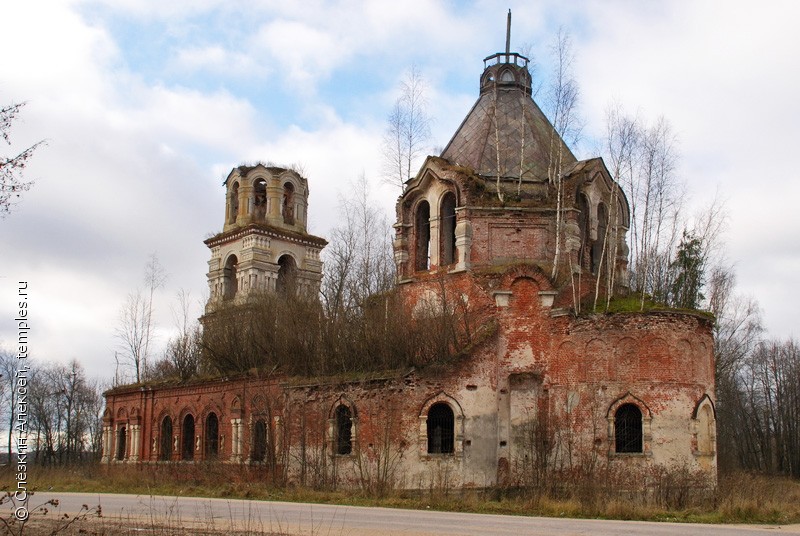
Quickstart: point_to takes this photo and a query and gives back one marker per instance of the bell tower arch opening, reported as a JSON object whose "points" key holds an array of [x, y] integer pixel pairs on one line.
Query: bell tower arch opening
{"points": [[447, 229], [260, 199], [288, 203], [230, 279], [287, 274], [233, 203], [422, 231]]}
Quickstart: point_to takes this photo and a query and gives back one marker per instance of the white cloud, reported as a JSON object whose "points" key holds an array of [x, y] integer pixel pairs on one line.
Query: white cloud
{"points": [[134, 161], [216, 59]]}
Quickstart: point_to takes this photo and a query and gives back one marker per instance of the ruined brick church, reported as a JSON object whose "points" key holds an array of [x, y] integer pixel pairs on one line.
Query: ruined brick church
{"points": [[547, 386]]}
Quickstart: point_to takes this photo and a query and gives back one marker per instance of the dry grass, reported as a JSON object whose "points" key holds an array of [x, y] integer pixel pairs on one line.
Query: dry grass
{"points": [[99, 526], [740, 498]]}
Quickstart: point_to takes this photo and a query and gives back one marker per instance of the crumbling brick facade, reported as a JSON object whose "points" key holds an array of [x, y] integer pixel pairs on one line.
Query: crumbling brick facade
{"points": [[524, 241]]}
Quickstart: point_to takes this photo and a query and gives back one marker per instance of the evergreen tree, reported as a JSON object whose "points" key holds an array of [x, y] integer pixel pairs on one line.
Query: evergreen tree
{"points": [[689, 269]]}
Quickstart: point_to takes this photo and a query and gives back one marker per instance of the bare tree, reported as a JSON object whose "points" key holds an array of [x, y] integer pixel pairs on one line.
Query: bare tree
{"points": [[154, 278], [183, 349], [643, 159], [766, 430], [561, 103], [622, 139], [8, 369], [358, 260], [408, 130], [64, 408], [132, 333], [12, 182], [135, 328]]}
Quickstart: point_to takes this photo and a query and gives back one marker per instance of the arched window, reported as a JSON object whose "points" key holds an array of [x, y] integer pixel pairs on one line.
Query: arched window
{"points": [[288, 203], [344, 430], [441, 429], [212, 436], [121, 443], [447, 229], [628, 429], [260, 199], [165, 452], [187, 439], [422, 228], [597, 246], [233, 209], [583, 226], [287, 274], [259, 441], [229, 279]]}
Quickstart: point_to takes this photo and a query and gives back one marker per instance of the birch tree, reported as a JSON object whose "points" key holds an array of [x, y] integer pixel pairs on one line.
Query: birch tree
{"points": [[561, 102], [622, 140], [408, 130], [135, 326]]}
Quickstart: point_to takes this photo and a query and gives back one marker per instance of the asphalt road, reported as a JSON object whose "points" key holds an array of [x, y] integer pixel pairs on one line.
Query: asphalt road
{"points": [[331, 520]]}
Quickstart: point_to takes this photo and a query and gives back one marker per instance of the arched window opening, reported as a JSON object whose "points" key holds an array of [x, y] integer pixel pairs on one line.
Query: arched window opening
{"points": [[422, 227], [287, 274], [187, 439], [165, 452], [447, 229], [597, 246], [122, 447], [344, 430], [583, 226], [288, 203], [229, 278], [441, 429], [212, 436], [259, 441], [233, 210], [628, 429], [260, 199]]}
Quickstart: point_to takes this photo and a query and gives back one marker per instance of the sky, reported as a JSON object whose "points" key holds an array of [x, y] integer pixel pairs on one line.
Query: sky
{"points": [[145, 106]]}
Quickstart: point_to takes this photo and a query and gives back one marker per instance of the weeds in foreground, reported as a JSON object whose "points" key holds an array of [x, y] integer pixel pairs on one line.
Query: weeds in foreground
{"points": [[739, 498], [23, 513]]}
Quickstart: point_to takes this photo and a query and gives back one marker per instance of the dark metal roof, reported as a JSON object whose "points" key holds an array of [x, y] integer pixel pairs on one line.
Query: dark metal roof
{"points": [[506, 119]]}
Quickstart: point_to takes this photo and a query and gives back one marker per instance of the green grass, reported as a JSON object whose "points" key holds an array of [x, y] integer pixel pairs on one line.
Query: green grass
{"points": [[633, 304], [740, 498]]}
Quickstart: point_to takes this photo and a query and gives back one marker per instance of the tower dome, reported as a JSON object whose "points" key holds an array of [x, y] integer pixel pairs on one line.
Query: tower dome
{"points": [[505, 133]]}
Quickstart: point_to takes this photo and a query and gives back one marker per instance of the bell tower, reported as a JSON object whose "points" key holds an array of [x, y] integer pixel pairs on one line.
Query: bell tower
{"points": [[264, 245]]}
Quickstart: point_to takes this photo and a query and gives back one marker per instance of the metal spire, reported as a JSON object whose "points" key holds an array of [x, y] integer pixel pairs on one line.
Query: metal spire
{"points": [[508, 35]]}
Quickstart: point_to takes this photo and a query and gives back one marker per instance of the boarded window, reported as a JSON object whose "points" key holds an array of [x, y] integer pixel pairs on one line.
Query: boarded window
{"points": [[259, 441], [344, 430], [447, 229], [441, 425], [705, 427], [212, 436], [422, 229], [165, 452], [628, 429], [187, 439]]}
